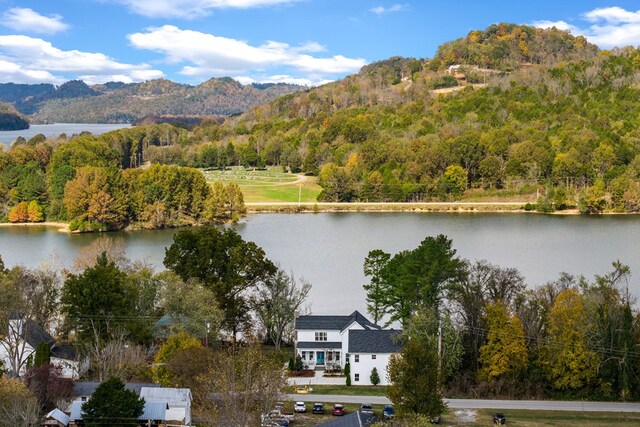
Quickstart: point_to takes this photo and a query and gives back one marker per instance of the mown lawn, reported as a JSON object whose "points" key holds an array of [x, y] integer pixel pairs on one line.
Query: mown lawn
{"points": [[269, 186], [354, 390]]}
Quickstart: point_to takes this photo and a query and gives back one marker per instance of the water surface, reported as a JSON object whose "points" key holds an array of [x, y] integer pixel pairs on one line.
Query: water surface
{"points": [[55, 129], [328, 249]]}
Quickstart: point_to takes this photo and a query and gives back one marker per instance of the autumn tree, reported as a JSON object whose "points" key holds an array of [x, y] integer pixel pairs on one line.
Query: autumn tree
{"points": [[18, 406], [177, 342], [505, 352], [566, 358]]}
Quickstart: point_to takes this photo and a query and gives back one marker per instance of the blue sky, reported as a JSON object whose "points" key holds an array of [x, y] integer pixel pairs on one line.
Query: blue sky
{"points": [[302, 41]]}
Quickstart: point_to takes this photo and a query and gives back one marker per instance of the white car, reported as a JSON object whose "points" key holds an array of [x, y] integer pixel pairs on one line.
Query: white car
{"points": [[300, 407]]}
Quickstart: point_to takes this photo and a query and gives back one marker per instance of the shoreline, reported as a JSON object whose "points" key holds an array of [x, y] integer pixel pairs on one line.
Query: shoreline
{"points": [[62, 227]]}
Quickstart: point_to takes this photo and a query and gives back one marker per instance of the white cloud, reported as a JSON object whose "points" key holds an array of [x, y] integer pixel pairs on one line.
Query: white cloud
{"points": [[28, 20], [381, 10], [26, 59], [282, 78], [189, 9], [206, 55], [607, 27]]}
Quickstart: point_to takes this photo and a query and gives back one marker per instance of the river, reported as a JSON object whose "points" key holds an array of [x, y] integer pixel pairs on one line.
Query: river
{"points": [[328, 249], [55, 129]]}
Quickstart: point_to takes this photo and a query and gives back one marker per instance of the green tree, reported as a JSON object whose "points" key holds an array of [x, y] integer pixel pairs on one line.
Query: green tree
{"points": [[415, 385], [417, 278], [374, 377], [100, 301], [224, 263], [112, 404], [373, 266], [347, 372], [42, 355]]}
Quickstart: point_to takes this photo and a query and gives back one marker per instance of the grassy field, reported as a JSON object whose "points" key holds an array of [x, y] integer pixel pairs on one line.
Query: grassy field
{"points": [[269, 186], [354, 390]]}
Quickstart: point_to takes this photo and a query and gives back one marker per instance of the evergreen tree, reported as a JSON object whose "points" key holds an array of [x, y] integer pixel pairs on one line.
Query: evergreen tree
{"points": [[112, 404], [374, 377]]}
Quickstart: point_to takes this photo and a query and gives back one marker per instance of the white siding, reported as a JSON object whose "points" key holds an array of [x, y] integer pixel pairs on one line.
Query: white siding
{"points": [[309, 335], [366, 364]]}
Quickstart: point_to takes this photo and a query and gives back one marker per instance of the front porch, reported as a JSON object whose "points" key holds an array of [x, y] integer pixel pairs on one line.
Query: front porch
{"points": [[321, 359]]}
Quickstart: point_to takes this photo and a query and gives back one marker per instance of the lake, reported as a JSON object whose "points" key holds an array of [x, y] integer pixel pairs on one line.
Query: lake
{"points": [[55, 129], [328, 249]]}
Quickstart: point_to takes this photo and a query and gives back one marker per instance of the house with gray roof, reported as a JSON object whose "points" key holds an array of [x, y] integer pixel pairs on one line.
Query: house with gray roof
{"points": [[20, 342], [326, 342]]}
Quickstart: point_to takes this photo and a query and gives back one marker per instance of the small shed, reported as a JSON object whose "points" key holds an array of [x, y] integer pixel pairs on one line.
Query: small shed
{"points": [[56, 418]]}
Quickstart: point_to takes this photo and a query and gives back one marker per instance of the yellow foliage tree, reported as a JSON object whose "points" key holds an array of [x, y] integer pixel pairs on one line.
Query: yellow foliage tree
{"points": [[505, 351], [35, 213], [175, 343], [566, 359]]}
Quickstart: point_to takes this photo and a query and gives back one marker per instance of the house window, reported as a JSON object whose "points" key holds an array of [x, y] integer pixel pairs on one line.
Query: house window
{"points": [[373, 357], [304, 355], [337, 356], [321, 336], [356, 358], [356, 377], [329, 356], [311, 356]]}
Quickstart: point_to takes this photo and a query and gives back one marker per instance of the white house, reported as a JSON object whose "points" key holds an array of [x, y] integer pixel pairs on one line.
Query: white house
{"points": [[21, 341], [327, 342]]}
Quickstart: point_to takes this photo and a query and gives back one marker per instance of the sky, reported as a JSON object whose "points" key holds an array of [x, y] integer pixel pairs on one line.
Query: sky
{"points": [[308, 42]]}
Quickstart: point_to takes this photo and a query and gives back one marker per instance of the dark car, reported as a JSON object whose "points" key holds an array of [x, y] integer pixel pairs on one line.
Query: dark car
{"points": [[318, 408], [338, 410], [388, 412], [499, 418], [366, 408]]}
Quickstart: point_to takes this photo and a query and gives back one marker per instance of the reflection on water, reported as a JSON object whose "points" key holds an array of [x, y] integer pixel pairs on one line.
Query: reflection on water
{"points": [[328, 249]]}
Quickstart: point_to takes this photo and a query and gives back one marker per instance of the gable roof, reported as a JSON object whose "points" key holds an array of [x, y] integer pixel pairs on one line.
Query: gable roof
{"points": [[86, 388], [319, 322], [180, 397], [376, 341], [34, 334], [59, 416]]}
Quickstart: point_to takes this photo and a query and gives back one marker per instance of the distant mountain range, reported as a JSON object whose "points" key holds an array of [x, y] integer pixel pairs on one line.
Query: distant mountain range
{"points": [[117, 102]]}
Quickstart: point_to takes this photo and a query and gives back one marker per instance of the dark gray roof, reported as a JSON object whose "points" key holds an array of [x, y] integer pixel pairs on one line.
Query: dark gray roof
{"points": [[67, 352], [86, 388], [354, 419], [383, 341], [319, 344], [34, 334], [333, 322]]}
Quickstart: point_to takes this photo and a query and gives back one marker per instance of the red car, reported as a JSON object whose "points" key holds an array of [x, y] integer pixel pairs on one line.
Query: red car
{"points": [[338, 409]]}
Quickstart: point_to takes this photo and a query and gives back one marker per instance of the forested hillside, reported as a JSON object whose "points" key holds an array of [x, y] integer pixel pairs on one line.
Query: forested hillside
{"points": [[75, 102], [562, 127]]}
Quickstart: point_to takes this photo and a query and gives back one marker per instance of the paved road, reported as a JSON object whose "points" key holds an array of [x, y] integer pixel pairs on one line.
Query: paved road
{"points": [[548, 405]]}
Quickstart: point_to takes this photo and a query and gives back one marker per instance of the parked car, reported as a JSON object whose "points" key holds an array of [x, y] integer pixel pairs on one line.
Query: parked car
{"points": [[388, 412], [279, 406], [338, 410], [499, 418], [300, 407], [366, 408], [318, 408]]}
